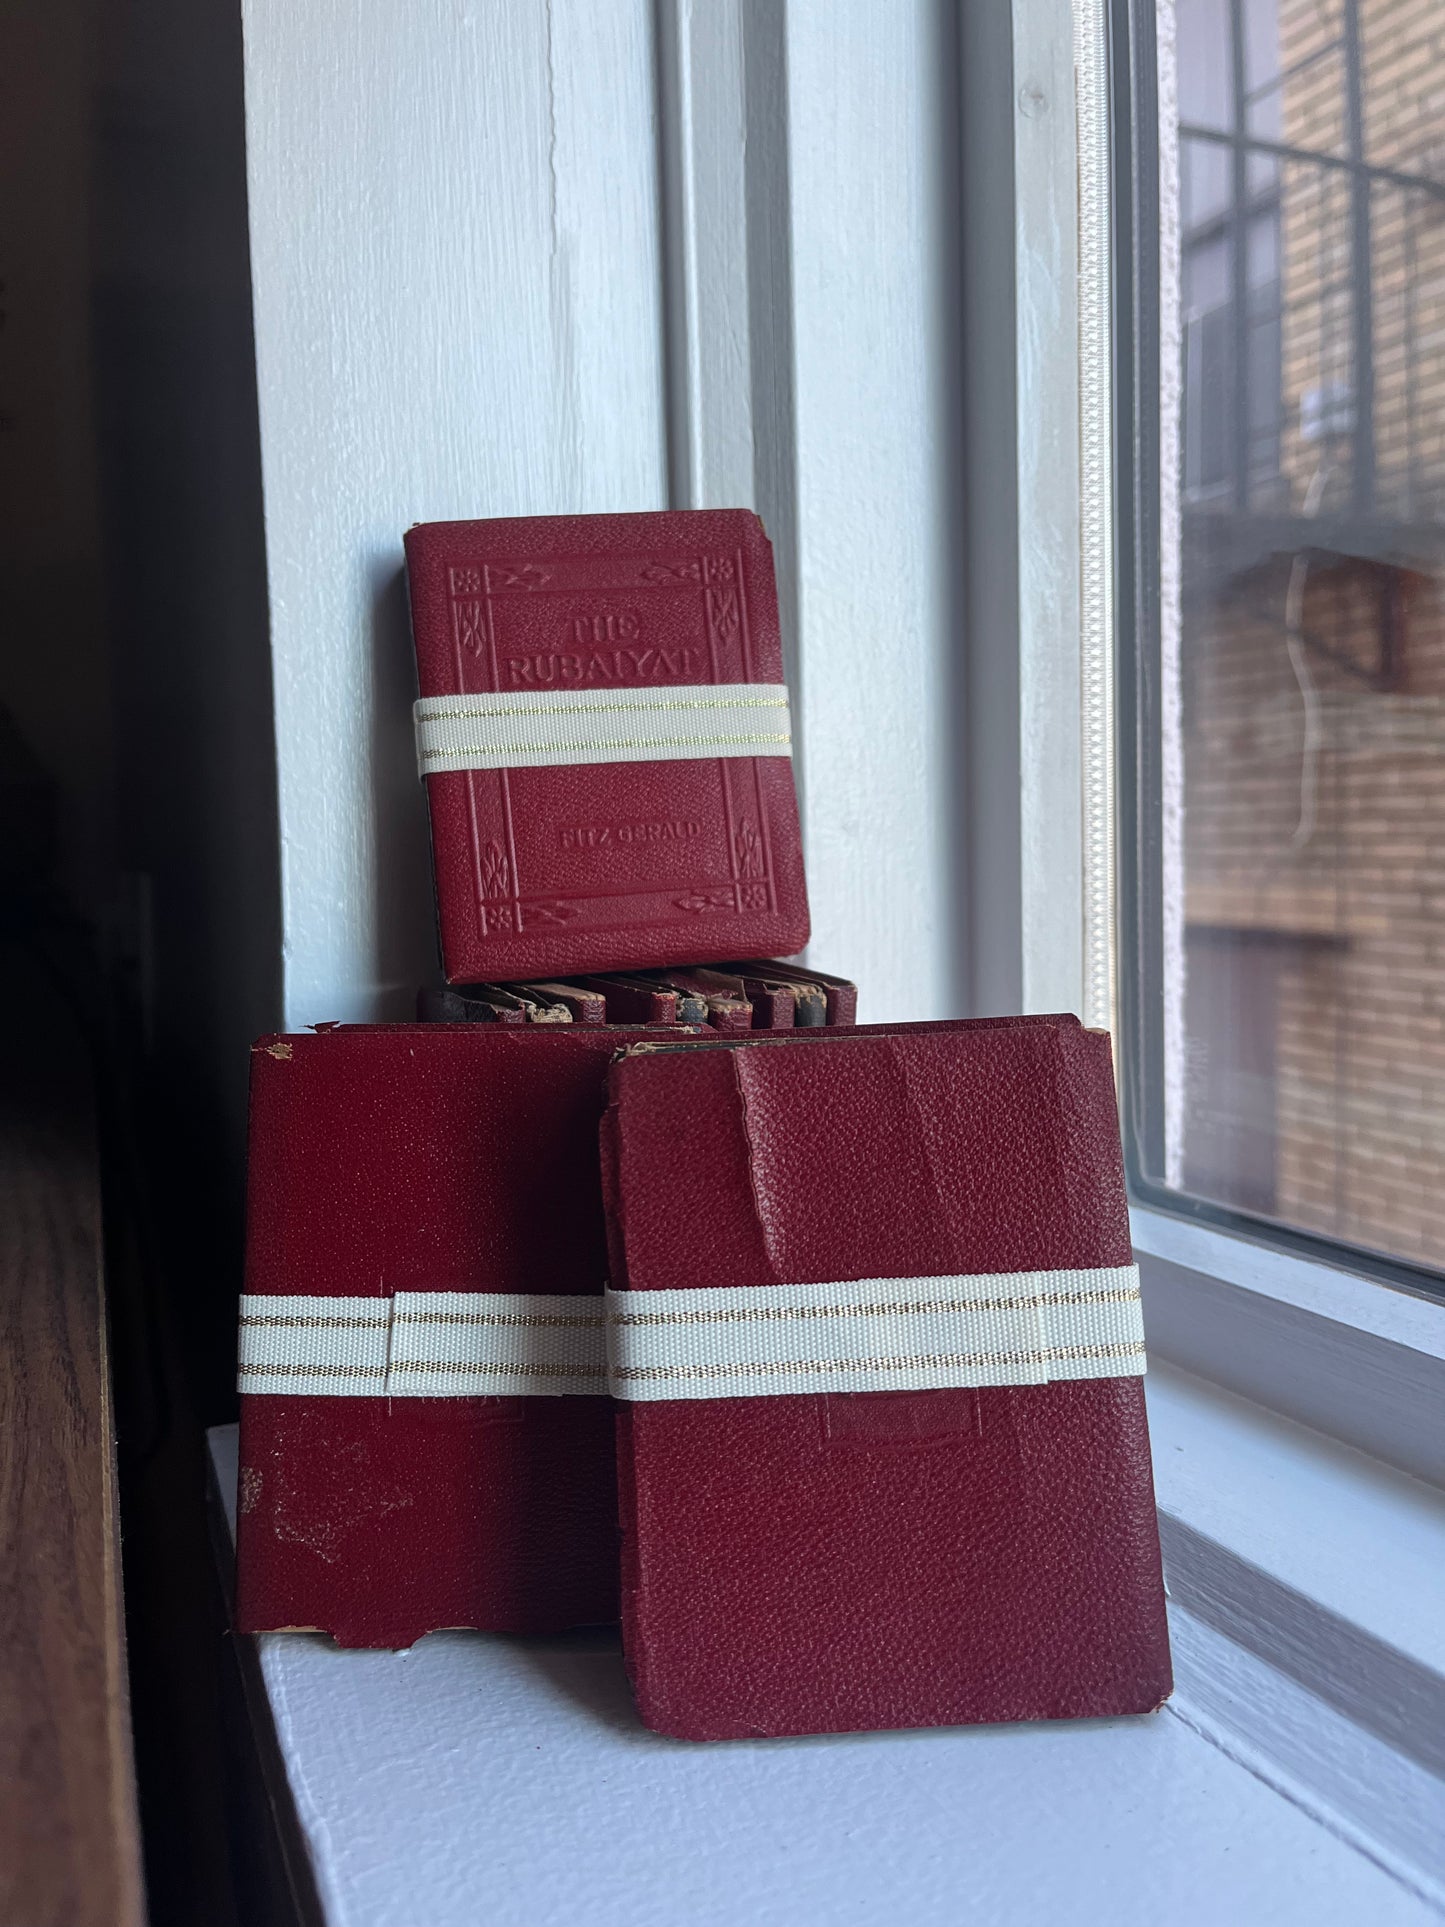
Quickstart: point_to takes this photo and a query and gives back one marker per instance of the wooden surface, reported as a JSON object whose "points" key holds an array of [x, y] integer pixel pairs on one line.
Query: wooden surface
{"points": [[69, 1839]]}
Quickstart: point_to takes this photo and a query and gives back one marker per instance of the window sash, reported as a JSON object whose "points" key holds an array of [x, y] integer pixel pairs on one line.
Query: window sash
{"points": [[1149, 929]]}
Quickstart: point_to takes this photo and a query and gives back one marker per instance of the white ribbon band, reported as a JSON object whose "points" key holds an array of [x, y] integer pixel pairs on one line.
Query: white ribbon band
{"points": [[876, 1335], [563, 728], [423, 1344], [867, 1335]]}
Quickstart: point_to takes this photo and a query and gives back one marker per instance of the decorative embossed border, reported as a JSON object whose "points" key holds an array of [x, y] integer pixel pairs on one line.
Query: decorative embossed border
{"points": [[472, 589]]}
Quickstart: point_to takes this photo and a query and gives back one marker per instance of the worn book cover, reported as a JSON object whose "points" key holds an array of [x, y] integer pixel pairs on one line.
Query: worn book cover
{"points": [[426, 1439], [604, 735], [874, 1332]]}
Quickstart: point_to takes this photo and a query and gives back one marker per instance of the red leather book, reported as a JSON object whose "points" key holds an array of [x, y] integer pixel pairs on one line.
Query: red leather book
{"points": [[726, 1005], [840, 995], [407, 1182], [582, 1006], [938, 1209], [603, 732]]}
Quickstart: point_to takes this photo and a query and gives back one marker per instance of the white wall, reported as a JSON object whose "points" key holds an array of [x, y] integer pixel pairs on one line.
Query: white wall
{"points": [[454, 256], [468, 231], [873, 149]]}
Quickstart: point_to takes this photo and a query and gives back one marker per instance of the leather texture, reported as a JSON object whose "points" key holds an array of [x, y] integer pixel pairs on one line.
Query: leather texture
{"points": [[839, 1562], [842, 996], [550, 872], [426, 1158]]}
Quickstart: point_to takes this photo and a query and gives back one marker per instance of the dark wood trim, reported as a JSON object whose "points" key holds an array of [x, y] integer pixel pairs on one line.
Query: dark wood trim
{"points": [[69, 1833]]}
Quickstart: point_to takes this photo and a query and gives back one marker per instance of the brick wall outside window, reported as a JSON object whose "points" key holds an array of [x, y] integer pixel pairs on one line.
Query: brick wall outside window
{"points": [[1314, 775]]}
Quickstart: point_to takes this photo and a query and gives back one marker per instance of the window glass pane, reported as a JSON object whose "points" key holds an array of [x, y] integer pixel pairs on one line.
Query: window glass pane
{"points": [[1206, 186], [1263, 118], [1401, 105], [1261, 174], [1312, 105], [1298, 912], [1202, 27], [1262, 250], [1206, 276], [1259, 29]]}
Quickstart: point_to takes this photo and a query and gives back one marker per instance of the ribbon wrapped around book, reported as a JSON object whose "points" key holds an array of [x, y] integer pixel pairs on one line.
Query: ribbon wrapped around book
{"points": [[862, 1335], [876, 1334], [423, 1344], [567, 727]]}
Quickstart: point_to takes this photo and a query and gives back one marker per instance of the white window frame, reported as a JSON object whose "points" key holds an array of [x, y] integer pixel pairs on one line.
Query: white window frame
{"points": [[813, 383], [1355, 1360], [1059, 717], [1345, 1352]]}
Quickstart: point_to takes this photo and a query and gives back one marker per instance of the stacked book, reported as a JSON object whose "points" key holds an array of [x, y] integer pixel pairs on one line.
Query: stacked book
{"points": [[637, 1279]]}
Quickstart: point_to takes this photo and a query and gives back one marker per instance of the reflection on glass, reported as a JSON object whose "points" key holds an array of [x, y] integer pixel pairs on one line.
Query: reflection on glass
{"points": [[1204, 81], [1208, 182], [1310, 988]]}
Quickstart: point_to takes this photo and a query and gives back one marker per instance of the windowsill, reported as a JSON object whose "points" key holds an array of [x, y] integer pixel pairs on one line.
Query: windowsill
{"points": [[1288, 1401], [1304, 1587], [1302, 1742], [1354, 1359], [1351, 1536], [1330, 1291]]}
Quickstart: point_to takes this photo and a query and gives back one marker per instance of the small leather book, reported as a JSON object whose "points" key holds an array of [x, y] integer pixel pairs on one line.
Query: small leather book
{"points": [[603, 733], [841, 996], [759, 1004], [467, 1004], [883, 1457], [722, 998], [787, 1006], [513, 1004], [644, 1000], [783, 1006], [425, 1436], [582, 1006]]}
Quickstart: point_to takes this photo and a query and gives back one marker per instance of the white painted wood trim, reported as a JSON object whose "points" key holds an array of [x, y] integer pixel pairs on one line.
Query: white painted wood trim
{"points": [[1097, 652], [727, 246], [702, 83], [1171, 694], [810, 194], [1376, 1798], [456, 279], [1303, 1581], [873, 189], [1042, 890], [1050, 719], [1356, 1359]]}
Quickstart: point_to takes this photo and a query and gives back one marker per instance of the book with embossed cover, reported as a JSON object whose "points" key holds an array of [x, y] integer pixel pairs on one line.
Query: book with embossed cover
{"points": [[425, 1435], [882, 1451], [603, 733]]}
